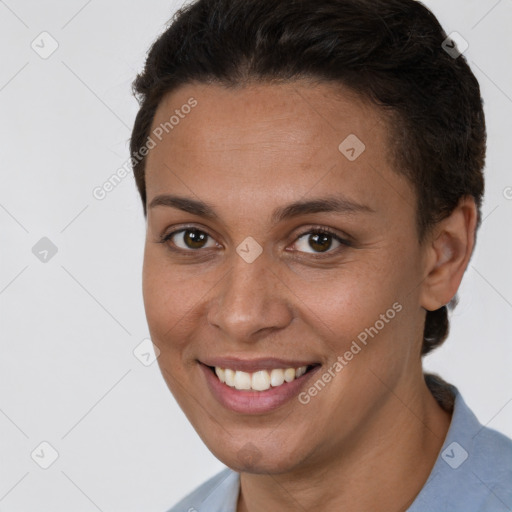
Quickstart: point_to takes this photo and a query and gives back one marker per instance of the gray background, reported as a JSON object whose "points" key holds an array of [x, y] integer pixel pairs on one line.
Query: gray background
{"points": [[69, 325]]}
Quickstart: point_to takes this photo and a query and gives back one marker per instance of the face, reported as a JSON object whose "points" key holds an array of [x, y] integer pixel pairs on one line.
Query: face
{"points": [[270, 247]]}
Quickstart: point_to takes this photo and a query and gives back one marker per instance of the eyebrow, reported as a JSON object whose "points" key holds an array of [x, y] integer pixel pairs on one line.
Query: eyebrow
{"points": [[328, 204]]}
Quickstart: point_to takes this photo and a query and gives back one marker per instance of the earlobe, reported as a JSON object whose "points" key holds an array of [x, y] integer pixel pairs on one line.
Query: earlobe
{"points": [[449, 250]]}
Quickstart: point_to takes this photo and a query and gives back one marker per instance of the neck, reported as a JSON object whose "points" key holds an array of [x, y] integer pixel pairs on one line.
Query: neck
{"points": [[382, 467]]}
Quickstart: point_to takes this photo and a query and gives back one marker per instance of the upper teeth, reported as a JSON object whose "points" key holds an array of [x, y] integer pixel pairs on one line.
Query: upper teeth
{"points": [[260, 380]]}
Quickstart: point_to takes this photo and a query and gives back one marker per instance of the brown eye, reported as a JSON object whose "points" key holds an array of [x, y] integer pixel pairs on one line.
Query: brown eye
{"points": [[188, 239], [318, 242]]}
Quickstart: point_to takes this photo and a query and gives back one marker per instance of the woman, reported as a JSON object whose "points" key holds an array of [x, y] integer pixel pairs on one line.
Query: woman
{"points": [[312, 178]]}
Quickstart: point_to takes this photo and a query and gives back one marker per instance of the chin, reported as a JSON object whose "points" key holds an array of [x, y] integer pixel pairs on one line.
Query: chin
{"points": [[249, 457]]}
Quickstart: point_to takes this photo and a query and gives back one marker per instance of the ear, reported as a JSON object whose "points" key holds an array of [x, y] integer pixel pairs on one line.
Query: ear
{"points": [[447, 251]]}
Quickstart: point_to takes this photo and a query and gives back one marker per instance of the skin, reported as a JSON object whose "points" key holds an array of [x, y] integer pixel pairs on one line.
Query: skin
{"points": [[369, 439]]}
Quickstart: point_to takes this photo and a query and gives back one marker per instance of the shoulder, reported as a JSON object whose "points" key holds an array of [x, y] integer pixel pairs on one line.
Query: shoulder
{"points": [[218, 494], [492, 463], [473, 471], [489, 453]]}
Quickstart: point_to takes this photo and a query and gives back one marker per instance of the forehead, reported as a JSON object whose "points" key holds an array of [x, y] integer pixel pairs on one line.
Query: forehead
{"points": [[284, 139], [299, 112]]}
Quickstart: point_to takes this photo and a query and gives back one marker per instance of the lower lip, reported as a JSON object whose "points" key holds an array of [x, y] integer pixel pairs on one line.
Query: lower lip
{"points": [[254, 402]]}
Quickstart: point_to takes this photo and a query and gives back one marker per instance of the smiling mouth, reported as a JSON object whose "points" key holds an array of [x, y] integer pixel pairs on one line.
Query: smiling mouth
{"points": [[261, 380]]}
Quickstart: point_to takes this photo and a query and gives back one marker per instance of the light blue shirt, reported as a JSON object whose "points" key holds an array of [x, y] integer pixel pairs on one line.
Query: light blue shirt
{"points": [[473, 473]]}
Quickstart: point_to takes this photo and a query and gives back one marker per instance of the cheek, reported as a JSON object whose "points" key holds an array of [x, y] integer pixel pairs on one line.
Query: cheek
{"points": [[370, 304], [348, 298], [169, 296]]}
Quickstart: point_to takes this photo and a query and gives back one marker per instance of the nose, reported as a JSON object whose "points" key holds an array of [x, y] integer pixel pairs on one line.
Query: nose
{"points": [[251, 302]]}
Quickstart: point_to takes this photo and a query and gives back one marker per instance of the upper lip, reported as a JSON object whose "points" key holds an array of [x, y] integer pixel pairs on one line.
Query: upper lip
{"points": [[256, 364]]}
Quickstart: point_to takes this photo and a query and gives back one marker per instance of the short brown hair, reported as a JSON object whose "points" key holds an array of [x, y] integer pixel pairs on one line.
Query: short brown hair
{"points": [[388, 51]]}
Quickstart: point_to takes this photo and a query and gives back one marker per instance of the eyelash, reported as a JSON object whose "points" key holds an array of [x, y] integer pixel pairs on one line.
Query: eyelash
{"points": [[322, 230]]}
